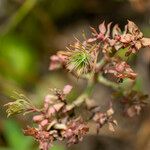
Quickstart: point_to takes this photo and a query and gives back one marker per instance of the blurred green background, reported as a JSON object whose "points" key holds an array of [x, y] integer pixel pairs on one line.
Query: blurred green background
{"points": [[32, 30]]}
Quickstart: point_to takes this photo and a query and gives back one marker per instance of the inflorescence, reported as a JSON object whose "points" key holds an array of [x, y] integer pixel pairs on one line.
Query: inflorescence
{"points": [[92, 59]]}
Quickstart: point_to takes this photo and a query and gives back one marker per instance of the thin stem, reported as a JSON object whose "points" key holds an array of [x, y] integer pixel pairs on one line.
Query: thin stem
{"points": [[88, 91], [101, 64], [77, 102], [19, 15], [108, 83]]}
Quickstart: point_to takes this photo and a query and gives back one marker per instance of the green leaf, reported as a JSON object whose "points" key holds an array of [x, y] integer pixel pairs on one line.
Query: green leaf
{"points": [[5, 148], [14, 136], [121, 53], [17, 59], [138, 85]]}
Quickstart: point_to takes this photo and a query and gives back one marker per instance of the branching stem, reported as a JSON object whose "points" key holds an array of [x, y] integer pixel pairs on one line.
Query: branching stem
{"points": [[87, 93], [108, 83]]}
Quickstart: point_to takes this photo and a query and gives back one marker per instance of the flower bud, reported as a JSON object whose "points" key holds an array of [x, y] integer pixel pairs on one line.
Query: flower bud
{"points": [[46, 105], [60, 126], [44, 122], [38, 118], [50, 99], [51, 111], [67, 89], [110, 112]]}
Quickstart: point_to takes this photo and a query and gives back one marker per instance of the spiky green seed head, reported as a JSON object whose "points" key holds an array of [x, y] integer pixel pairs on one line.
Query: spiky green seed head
{"points": [[79, 62]]}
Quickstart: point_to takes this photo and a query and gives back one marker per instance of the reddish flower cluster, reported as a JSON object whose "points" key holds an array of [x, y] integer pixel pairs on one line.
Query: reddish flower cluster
{"points": [[132, 38], [102, 118], [57, 61], [75, 131], [133, 103], [54, 122], [120, 69], [44, 138], [85, 57]]}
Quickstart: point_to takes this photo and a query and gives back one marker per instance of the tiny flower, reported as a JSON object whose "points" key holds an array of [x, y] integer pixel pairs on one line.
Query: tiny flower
{"points": [[134, 30], [67, 89], [145, 42], [30, 131], [133, 103], [110, 112], [50, 99], [57, 61], [104, 33], [38, 118], [116, 32], [102, 28], [44, 122], [51, 111], [58, 106]]}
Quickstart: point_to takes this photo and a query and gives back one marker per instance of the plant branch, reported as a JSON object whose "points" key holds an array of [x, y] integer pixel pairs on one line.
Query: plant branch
{"points": [[108, 83], [101, 64], [88, 91]]}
